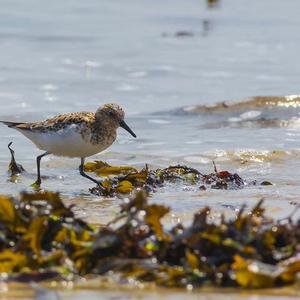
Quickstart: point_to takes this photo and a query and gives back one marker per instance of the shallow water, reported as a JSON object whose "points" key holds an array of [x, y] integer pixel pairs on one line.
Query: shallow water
{"points": [[171, 66]]}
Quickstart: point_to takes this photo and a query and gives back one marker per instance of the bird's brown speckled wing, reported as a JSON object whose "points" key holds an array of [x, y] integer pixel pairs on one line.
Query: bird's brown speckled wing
{"points": [[57, 122]]}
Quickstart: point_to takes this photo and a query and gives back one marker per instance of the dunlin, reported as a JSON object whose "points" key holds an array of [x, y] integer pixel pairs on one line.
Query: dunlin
{"points": [[80, 134]]}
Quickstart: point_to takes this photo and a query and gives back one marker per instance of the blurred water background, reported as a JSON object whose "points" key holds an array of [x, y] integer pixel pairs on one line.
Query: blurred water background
{"points": [[182, 70]]}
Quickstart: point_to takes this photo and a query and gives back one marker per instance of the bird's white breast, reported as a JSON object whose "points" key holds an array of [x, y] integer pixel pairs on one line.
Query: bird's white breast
{"points": [[65, 142]]}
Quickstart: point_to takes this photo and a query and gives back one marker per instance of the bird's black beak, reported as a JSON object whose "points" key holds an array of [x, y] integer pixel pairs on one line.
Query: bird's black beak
{"points": [[126, 127]]}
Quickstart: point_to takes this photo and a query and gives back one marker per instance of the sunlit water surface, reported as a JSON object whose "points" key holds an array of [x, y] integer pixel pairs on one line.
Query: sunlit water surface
{"points": [[171, 65]]}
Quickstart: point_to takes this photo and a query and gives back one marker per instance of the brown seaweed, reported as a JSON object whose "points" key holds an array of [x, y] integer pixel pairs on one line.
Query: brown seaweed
{"points": [[42, 239], [124, 179]]}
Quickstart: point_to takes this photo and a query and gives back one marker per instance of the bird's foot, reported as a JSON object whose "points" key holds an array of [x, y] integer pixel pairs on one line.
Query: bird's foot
{"points": [[36, 185], [99, 184], [100, 189]]}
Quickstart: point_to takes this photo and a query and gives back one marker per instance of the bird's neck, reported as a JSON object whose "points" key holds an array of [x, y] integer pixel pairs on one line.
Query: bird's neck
{"points": [[103, 129], [100, 123]]}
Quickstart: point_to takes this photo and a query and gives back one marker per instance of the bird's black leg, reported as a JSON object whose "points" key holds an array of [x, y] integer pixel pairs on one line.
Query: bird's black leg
{"points": [[82, 173], [38, 165]]}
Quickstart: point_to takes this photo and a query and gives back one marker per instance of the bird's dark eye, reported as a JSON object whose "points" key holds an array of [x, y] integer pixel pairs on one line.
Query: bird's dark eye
{"points": [[111, 114]]}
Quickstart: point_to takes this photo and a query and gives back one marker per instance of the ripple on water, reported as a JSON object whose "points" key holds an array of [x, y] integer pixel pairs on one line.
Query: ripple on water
{"points": [[49, 87], [125, 87], [197, 159], [245, 156], [252, 114], [159, 121], [275, 156], [150, 144], [138, 74]]}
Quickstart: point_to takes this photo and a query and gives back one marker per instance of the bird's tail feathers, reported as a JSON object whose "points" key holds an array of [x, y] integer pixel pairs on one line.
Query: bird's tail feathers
{"points": [[11, 124]]}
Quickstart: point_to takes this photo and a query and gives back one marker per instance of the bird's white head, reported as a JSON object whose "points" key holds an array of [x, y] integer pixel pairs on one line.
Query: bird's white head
{"points": [[113, 115]]}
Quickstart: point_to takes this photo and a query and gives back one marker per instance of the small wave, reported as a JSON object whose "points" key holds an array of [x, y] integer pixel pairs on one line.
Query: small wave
{"points": [[254, 103], [244, 156], [294, 122], [261, 111]]}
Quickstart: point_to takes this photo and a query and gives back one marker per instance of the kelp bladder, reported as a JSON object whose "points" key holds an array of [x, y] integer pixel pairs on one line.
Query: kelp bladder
{"points": [[40, 238]]}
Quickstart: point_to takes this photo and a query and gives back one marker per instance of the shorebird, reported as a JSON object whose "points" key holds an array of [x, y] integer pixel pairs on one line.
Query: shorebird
{"points": [[79, 134]]}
